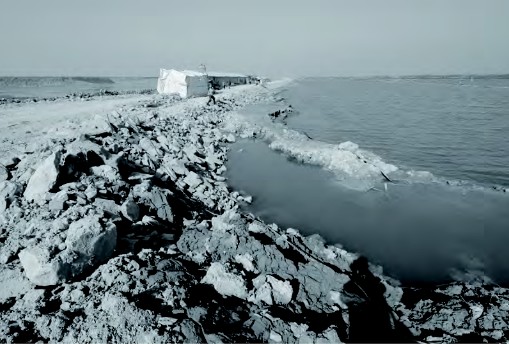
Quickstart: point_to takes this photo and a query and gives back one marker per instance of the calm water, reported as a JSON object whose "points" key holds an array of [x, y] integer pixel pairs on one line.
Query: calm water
{"points": [[453, 128], [420, 232]]}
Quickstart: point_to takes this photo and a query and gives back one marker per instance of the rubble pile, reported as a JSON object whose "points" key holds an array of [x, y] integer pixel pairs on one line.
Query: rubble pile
{"points": [[130, 233]]}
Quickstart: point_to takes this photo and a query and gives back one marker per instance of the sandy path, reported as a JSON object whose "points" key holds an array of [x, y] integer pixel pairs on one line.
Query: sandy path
{"points": [[22, 125]]}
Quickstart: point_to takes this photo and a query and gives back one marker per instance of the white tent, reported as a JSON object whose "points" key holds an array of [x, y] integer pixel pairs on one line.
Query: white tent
{"points": [[186, 83]]}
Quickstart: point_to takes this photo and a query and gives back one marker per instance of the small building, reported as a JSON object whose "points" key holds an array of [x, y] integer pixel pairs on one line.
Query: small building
{"points": [[219, 79], [185, 83]]}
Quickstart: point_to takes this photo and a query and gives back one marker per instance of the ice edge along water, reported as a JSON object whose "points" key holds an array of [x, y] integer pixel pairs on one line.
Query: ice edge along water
{"points": [[353, 167]]}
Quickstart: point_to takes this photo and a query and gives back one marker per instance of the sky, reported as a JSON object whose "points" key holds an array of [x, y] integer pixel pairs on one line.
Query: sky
{"points": [[273, 38]]}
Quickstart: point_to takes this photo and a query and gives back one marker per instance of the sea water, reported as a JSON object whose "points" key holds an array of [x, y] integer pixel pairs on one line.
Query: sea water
{"points": [[449, 224]]}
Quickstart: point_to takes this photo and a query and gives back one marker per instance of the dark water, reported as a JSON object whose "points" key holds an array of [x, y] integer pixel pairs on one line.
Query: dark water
{"points": [[46, 87], [420, 232]]}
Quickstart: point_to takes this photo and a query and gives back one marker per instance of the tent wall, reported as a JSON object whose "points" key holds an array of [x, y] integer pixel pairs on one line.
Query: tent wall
{"points": [[186, 83]]}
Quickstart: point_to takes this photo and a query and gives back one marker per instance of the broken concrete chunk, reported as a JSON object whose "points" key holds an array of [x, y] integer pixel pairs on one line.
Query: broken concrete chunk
{"points": [[271, 290], [130, 210], [282, 291], [150, 147], [230, 138], [44, 178]]}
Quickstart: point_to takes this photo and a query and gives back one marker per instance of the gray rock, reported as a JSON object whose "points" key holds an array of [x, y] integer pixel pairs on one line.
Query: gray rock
{"points": [[4, 173], [90, 242], [108, 206], [107, 172], [193, 180], [40, 267], [130, 210], [91, 192], [155, 198], [8, 192], [57, 202], [151, 147], [43, 179]]}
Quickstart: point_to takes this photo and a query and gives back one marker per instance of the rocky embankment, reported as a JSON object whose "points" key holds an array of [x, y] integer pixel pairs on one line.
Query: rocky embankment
{"points": [[81, 96], [130, 233]]}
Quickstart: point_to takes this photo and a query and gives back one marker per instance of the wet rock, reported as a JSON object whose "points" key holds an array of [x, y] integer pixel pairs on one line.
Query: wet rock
{"points": [[44, 178]]}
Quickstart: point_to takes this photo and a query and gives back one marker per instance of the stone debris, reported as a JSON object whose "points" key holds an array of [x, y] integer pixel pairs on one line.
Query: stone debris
{"points": [[132, 235], [44, 178], [58, 201], [130, 210], [8, 192], [4, 173]]}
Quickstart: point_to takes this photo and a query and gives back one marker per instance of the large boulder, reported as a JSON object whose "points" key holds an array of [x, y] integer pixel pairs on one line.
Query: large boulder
{"points": [[57, 202], [44, 178], [88, 243], [40, 267], [155, 198], [130, 210]]}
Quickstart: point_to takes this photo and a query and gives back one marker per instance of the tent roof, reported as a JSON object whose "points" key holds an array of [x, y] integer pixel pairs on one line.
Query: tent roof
{"points": [[192, 73], [230, 75]]}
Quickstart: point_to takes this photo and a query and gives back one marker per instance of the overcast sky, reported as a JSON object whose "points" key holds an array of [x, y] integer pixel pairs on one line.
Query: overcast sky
{"points": [[269, 37]]}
